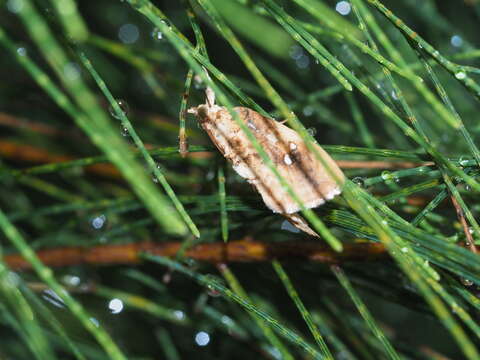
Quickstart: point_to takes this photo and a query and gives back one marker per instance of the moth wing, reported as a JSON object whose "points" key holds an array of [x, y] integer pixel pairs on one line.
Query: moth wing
{"points": [[305, 174]]}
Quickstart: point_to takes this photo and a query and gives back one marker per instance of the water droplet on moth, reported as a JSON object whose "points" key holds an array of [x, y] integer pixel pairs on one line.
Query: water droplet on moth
{"points": [[123, 107], [287, 159], [293, 146]]}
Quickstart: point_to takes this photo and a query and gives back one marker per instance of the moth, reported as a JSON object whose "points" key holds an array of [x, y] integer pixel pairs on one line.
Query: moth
{"points": [[305, 174]]}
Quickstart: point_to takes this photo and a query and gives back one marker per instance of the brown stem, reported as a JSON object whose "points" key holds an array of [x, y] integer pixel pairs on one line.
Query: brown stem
{"points": [[469, 241], [36, 155], [15, 122], [219, 252]]}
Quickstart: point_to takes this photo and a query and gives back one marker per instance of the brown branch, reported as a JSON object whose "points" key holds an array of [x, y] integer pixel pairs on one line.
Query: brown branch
{"points": [[15, 122], [32, 154], [218, 252], [469, 241]]}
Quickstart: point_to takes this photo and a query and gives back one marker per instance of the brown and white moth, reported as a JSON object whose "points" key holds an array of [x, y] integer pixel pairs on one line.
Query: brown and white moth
{"points": [[305, 174]]}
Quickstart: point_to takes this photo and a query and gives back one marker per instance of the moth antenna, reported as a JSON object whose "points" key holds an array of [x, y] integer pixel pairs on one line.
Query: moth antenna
{"points": [[210, 96], [209, 93]]}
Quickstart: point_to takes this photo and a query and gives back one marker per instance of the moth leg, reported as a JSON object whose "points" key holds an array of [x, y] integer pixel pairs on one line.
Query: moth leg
{"points": [[300, 223]]}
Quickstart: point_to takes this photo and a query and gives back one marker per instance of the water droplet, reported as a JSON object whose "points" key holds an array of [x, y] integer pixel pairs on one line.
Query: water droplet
{"points": [[396, 179], [303, 62], [296, 52], [98, 222], [212, 291], [189, 262], [293, 146], [210, 175], [157, 35], [15, 6], [115, 306], [71, 280], [161, 169], [198, 83], [460, 75], [466, 282], [463, 161], [124, 131], [124, 108], [21, 51], [359, 181], [166, 22], [308, 110], [71, 71], [312, 131], [420, 46], [386, 175], [468, 187], [404, 249], [259, 9], [227, 321], [179, 314], [343, 8], [202, 338], [287, 159], [317, 61], [456, 41], [128, 33]]}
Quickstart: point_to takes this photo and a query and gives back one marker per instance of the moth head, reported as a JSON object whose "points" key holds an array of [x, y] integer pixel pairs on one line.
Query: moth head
{"points": [[202, 112]]}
